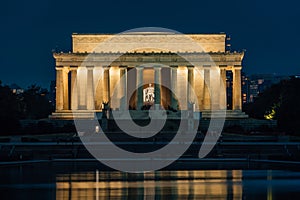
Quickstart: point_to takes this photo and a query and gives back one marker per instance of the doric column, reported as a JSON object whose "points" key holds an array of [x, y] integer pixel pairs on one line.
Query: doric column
{"points": [[123, 87], [98, 86], [106, 85], [182, 83], [223, 94], [114, 78], [174, 87], [74, 88], [82, 83], [139, 86], [199, 86], [191, 84], [157, 86], [59, 89], [90, 88], [237, 89], [206, 93], [215, 87], [66, 88]]}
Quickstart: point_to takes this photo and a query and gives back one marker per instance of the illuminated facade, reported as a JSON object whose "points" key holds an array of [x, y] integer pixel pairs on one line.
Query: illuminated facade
{"points": [[83, 84]]}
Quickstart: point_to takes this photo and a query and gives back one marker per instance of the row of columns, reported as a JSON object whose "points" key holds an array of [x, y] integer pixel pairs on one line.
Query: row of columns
{"points": [[85, 100]]}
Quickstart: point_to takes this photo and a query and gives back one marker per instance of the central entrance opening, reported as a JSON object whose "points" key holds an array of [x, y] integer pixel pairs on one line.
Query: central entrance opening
{"points": [[148, 89]]}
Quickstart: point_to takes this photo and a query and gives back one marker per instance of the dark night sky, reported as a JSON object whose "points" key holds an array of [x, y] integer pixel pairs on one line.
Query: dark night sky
{"points": [[268, 30]]}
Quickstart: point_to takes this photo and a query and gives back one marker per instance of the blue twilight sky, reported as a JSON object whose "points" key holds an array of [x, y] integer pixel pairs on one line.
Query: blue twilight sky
{"points": [[268, 30]]}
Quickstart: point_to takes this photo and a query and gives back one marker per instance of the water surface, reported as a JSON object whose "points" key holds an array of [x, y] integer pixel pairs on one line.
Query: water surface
{"points": [[71, 181]]}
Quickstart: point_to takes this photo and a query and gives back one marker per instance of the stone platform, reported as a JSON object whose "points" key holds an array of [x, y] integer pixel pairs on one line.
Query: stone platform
{"points": [[144, 114]]}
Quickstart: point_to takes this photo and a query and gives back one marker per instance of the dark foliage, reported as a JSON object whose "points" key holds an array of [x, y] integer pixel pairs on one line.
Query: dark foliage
{"points": [[283, 100], [32, 104], [9, 110], [36, 105]]}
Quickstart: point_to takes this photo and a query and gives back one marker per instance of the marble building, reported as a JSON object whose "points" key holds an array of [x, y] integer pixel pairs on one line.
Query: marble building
{"points": [[167, 72]]}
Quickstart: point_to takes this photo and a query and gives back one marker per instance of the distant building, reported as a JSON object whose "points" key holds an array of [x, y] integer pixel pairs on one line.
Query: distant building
{"points": [[16, 89], [245, 88], [260, 82], [252, 85], [297, 76]]}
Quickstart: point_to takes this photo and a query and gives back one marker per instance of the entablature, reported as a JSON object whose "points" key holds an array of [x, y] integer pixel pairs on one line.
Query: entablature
{"points": [[134, 59]]}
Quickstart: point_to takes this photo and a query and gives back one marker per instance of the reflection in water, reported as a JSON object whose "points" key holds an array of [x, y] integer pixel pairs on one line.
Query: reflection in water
{"points": [[208, 184], [83, 181]]}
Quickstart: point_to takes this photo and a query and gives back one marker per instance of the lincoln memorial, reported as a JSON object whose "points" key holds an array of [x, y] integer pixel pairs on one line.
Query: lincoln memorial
{"points": [[147, 70]]}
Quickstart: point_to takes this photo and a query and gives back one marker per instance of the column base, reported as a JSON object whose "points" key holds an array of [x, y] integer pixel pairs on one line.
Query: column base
{"points": [[76, 114], [141, 114]]}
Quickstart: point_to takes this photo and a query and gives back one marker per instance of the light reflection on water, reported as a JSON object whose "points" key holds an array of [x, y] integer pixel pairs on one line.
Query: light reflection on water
{"points": [[61, 181], [209, 184]]}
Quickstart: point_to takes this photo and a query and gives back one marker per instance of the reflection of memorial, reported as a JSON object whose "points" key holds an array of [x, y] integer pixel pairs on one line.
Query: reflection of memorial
{"points": [[83, 86], [206, 184]]}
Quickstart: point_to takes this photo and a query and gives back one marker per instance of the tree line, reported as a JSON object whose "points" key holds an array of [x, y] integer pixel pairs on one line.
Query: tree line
{"points": [[31, 104], [279, 102]]}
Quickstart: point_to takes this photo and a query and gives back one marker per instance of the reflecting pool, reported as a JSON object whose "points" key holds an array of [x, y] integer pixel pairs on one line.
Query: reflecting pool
{"points": [[45, 181]]}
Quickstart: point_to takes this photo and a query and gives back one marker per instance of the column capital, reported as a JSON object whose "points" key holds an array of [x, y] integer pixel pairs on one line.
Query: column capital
{"points": [[65, 68], [200, 67], [59, 67], [106, 67], [73, 68], [122, 67], [139, 67], [157, 67], [89, 67], [237, 67], [174, 66], [98, 67], [223, 67], [190, 66]]}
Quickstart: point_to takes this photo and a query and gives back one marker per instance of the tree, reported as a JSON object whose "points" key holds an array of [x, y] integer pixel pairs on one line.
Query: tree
{"points": [[9, 110], [35, 103], [281, 102], [289, 111]]}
